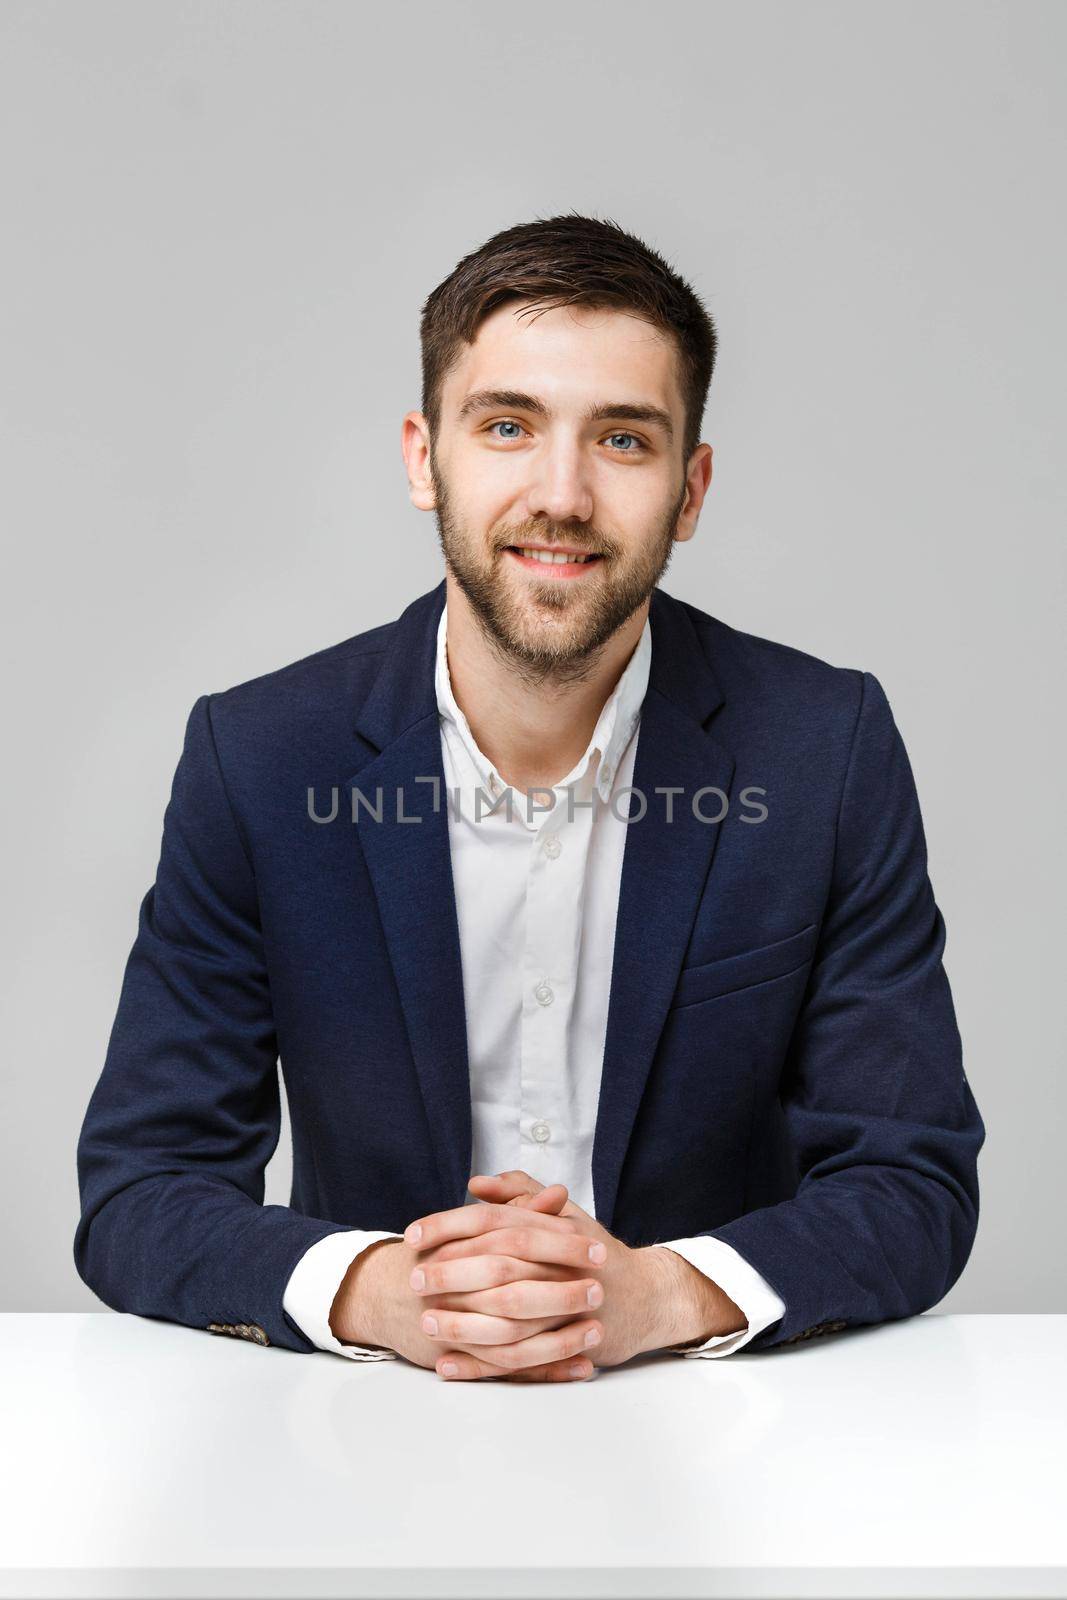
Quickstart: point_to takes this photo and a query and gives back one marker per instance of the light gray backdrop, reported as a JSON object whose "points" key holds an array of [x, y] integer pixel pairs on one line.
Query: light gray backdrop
{"points": [[221, 222]]}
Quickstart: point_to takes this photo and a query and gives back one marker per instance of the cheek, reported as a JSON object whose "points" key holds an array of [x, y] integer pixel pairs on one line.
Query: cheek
{"points": [[634, 505], [486, 489]]}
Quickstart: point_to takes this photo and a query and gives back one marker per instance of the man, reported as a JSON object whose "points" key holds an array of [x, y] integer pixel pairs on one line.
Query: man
{"points": [[594, 936]]}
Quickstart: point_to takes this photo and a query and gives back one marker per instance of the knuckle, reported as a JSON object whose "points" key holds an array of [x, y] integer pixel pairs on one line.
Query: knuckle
{"points": [[509, 1300]]}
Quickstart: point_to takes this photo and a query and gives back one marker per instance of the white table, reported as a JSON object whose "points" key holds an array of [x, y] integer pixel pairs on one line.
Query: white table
{"points": [[918, 1458]]}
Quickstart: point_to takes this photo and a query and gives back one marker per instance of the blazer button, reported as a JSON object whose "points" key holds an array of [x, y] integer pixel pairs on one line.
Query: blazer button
{"points": [[240, 1330]]}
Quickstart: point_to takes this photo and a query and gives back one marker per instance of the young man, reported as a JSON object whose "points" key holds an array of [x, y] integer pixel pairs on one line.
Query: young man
{"points": [[595, 937]]}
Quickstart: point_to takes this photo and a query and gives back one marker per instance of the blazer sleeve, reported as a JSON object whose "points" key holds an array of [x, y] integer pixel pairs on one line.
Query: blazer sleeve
{"points": [[879, 1110], [186, 1112]]}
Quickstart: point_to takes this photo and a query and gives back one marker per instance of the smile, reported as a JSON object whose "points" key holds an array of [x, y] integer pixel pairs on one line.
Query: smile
{"points": [[558, 564]]}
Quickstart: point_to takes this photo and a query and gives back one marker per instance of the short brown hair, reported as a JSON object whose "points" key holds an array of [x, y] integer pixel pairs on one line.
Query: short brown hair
{"points": [[568, 260]]}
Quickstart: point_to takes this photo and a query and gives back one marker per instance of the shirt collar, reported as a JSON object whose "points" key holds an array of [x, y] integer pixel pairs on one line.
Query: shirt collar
{"points": [[614, 728]]}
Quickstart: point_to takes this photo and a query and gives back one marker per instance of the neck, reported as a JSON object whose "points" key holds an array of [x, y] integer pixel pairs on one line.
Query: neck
{"points": [[532, 731]]}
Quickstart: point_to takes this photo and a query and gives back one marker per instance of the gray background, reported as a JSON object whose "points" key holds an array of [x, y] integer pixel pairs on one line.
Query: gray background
{"points": [[221, 222]]}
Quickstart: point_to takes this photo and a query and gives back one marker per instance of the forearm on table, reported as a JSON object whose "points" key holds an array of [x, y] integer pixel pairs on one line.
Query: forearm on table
{"points": [[686, 1305]]}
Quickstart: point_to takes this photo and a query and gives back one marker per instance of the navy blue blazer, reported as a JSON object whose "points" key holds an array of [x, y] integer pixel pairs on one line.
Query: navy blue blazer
{"points": [[782, 1067]]}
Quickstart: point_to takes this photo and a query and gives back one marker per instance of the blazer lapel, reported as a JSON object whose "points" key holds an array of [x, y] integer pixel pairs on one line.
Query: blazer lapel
{"points": [[665, 866], [410, 865]]}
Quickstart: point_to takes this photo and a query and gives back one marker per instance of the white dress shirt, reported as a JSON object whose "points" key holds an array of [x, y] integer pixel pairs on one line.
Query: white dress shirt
{"points": [[536, 899]]}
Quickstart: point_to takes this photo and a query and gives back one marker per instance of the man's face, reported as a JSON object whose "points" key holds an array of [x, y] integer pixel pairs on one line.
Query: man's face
{"points": [[519, 462]]}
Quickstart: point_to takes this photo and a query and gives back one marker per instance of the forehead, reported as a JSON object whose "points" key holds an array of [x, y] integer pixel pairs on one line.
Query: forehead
{"points": [[568, 352]]}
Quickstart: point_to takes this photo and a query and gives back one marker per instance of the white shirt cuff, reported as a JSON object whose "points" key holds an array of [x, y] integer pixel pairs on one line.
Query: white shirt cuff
{"points": [[313, 1285], [747, 1288]]}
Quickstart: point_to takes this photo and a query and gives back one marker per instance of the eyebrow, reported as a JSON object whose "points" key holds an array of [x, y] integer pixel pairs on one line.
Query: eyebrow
{"points": [[515, 400]]}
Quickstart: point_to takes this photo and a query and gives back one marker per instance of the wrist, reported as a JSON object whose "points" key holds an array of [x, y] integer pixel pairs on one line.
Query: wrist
{"points": [[357, 1313], [688, 1307]]}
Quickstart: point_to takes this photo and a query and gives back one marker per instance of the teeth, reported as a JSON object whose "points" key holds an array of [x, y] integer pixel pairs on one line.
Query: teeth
{"points": [[550, 559]]}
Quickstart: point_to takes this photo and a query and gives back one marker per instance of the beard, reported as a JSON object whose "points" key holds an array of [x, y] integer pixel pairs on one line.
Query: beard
{"points": [[550, 629]]}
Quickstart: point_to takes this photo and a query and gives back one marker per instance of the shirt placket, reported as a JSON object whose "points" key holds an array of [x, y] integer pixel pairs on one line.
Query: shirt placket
{"points": [[555, 891]]}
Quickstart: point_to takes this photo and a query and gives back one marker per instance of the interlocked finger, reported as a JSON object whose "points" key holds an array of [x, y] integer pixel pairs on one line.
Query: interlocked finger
{"points": [[476, 1328], [461, 1274], [551, 1346], [570, 1369], [526, 1298], [466, 1221], [569, 1249]]}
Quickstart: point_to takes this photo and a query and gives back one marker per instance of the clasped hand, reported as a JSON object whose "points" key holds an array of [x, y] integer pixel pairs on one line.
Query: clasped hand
{"points": [[511, 1298]]}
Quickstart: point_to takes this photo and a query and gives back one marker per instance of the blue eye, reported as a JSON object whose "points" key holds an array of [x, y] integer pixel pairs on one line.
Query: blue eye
{"points": [[507, 422]]}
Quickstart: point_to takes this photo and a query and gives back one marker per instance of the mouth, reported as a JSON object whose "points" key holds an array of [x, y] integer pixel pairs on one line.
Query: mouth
{"points": [[555, 564]]}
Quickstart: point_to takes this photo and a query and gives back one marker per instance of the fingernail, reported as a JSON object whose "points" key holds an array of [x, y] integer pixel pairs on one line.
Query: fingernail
{"points": [[594, 1294], [593, 1336], [418, 1279], [429, 1325], [579, 1370], [414, 1233], [448, 1369], [597, 1252]]}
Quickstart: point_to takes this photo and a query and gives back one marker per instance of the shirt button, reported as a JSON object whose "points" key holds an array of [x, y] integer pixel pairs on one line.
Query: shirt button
{"points": [[541, 1132], [552, 846], [543, 994]]}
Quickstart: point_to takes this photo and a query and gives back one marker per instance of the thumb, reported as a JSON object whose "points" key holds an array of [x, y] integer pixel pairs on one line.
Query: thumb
{"points": [[519, 1189], [552, 1199]]}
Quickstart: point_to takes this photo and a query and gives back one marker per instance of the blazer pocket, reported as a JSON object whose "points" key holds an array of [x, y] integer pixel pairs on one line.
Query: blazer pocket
{"points": [[744, 971]]}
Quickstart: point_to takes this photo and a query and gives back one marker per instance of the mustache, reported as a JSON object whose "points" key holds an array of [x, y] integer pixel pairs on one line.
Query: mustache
{"points": [[585, 543]]}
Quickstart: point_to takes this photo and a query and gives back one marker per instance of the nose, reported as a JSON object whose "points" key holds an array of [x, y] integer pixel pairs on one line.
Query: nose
{"points": [[560, 490]]}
